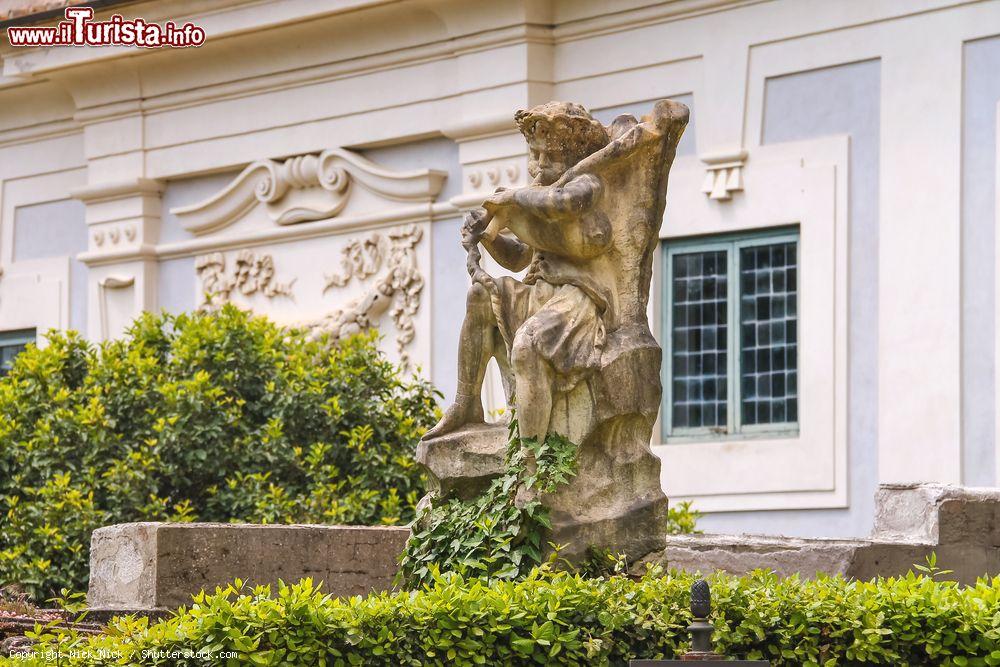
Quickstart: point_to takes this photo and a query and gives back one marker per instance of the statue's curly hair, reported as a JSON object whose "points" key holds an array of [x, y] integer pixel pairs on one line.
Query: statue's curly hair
{"points": [[565, 126]]}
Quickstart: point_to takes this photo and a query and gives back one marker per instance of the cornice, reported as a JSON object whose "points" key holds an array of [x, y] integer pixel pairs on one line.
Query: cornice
{"points": [[279, 234], [99, 192], [480, 127], [661, 12], [33, 133]]}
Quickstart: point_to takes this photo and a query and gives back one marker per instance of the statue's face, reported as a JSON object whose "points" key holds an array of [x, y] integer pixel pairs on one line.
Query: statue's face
{"points": [[546, 166]]}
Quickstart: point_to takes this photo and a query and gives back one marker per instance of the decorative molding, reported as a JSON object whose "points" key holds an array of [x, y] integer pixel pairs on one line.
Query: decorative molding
{"points": [[326, 179], [397, 287], [480, 127], [492, 176], [113, 234], [485, 177], [112, 282], [101, 192], [252, 274], [723, 175], [358, 259]]}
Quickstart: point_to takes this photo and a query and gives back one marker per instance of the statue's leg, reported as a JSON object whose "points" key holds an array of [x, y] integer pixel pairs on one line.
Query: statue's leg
{"points": [[533, 383], [503, 363], [475, 348]]}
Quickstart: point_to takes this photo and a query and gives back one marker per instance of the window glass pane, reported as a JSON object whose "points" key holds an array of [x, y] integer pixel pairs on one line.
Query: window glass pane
{"points": [[699, 337], [768, 334], [11, 345]]}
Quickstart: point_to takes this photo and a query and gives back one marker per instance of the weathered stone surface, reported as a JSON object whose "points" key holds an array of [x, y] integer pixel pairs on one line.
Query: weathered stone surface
{"points": [[860, 559], [462, 464], [123, 565], [937, 513], [571, 339], [160, 565], [957, 524], [739, 554]]}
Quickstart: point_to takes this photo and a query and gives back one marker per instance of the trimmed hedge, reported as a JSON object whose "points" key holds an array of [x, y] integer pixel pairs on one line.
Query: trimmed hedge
{"points": [[561, 618], [202, 417]]}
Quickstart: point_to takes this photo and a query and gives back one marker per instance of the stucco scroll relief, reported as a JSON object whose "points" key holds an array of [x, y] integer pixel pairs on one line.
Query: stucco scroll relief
{"points": [[388, 262], [251, 274], [305, 188]]}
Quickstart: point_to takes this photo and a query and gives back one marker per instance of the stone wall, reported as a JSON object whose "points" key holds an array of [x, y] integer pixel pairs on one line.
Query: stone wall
{"points": [[141, 566], [960, 525], [150, 566]]}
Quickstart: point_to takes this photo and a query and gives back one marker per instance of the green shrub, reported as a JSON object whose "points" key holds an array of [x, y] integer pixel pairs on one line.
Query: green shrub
{"points": [[682, 519], [561, 618], [492, 535], [207, 417]]}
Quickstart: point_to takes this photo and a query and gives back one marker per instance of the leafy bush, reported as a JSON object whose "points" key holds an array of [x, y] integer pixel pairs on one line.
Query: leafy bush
{"points": [[682, 519], [493, 535], [561, 618], [502, 533], [208, 417]]}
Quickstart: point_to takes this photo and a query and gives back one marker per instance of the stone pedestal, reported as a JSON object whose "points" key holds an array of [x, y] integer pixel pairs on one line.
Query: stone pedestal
{"points": [[149, 566], [616, 500], [462, 464]]}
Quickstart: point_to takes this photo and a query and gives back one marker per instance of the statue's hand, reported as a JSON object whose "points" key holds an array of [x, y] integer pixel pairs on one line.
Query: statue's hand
{"points": [[486, 280], [472, 229], [499, 199]]}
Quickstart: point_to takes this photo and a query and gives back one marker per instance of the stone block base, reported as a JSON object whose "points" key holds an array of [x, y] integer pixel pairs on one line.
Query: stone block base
{"points": [[960, 525], [462, 464], [141, 567], [138, 566]]}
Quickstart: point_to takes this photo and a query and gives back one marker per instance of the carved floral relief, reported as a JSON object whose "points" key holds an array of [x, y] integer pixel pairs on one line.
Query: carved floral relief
{"points": [[390, 261], [251, 274]]}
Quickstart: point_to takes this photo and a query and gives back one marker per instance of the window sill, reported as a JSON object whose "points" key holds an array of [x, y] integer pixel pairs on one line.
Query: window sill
{"points": [[791, 431]]}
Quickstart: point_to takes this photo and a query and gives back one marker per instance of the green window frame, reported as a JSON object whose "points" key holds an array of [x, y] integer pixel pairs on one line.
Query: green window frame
{"points": [[13, 343], [743, 406]]}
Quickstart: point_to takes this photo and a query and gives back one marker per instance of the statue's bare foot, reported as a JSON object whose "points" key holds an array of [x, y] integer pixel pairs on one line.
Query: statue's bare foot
{"points": [[465, 410]]}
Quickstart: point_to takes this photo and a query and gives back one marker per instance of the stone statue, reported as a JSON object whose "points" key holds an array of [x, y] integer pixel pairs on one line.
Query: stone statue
{"points": [[571, 338]]}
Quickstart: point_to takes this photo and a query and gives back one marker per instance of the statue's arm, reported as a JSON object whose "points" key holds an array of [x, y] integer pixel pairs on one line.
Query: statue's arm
{"points": [[556, 218], [508, 251], [557, 202]]}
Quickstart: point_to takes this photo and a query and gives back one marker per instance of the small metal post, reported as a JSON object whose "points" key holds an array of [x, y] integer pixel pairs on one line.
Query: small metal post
{"points": [[701, 636], [701, 630]]}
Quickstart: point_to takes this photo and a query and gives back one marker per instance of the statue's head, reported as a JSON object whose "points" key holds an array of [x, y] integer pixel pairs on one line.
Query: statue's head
{"points": [[559, 134]]}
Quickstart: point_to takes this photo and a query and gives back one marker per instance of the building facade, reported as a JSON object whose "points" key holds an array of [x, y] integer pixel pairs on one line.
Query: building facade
{"points": [[826, 289]]}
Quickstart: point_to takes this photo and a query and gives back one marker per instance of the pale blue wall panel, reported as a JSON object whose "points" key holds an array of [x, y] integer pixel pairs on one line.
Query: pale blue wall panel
{"points": [[56, 229], [434, 153], [176, 285], [979, 150], [687, 145], [450, 284]]}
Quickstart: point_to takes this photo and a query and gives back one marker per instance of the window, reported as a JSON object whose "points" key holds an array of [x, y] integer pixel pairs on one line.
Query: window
{"points": [[731, 356], [13, 343]]}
